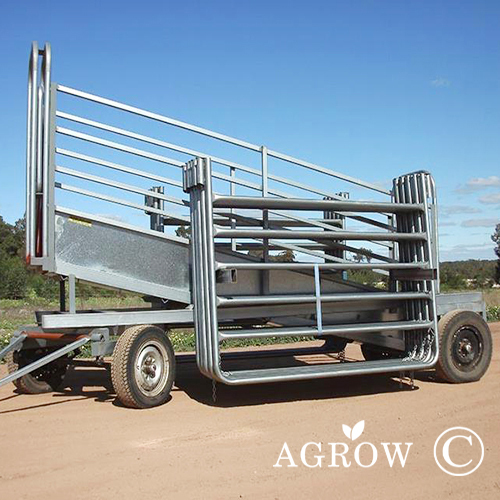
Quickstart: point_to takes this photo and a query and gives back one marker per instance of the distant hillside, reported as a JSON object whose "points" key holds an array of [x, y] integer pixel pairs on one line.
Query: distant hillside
{"points": [[468, 273]]}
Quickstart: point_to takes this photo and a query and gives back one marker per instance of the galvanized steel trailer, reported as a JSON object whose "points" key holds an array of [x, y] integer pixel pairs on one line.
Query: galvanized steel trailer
{"points": [[241, 205]]}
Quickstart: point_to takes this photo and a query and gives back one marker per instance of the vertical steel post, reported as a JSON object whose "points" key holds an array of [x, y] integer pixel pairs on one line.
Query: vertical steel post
{"points": [[50, 192], [62, 294], [72, 293], [232, 192], [265, 219], [30, 151], [46, 88]]}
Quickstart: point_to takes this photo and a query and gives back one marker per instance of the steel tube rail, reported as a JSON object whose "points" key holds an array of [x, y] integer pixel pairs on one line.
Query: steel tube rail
{"points": [[315, 235], [118, 185], [287, 215], [233, 165], [118, 201], [323, 170], [321, 265], [304, 204], [307, 299], [119, 167], [310, 246], [39, 142], [216, 135], [156, 142], [330, 329], [155, 116], [320, 224], [31, 151], [119, 147], [304, 250], [45, 85], [146, 154]]}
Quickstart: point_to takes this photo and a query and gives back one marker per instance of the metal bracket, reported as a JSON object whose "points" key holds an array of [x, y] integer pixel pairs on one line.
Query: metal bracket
{"points": [[413, 274], [101, 344], [317, 286], [193, 174], [72, 293], [226, 276]]}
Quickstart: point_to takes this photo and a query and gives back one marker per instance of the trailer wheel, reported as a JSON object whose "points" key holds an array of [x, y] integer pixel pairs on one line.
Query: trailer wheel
{"points": [[376, 353], [465, 347], [143, 367], [48, 378]]}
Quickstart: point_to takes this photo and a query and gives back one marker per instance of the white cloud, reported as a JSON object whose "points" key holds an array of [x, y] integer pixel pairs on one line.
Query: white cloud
{"points": [[447, 210], [491, 222], [478, 184], [440, 82], [465, 252], [491, 199], [447, 223]]}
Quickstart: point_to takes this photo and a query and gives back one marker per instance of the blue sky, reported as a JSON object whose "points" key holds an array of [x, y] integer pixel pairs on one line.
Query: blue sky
{"points": [[373, 89]]}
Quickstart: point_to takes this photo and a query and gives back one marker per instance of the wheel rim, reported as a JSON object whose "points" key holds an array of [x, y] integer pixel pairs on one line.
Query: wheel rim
{"points": [[151, 368], [467, 348]]}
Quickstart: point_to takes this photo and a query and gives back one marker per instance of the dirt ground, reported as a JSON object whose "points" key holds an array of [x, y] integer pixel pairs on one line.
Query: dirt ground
{"points": [[80, 444]]}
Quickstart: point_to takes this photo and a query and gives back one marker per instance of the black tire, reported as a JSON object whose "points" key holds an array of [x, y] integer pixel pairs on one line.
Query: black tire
{"points": [[465, 347], [143, 367], [48, 378], [376, 353], [335, 344]]}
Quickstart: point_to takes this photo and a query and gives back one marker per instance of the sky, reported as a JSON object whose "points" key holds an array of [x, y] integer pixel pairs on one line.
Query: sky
{"points": [[372, 89]]}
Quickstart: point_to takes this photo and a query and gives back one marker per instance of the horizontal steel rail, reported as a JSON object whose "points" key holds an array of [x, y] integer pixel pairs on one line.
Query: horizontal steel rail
{"points": [[315, 235], [305, 299], [322, 265], [301, 331], [305, 204]]}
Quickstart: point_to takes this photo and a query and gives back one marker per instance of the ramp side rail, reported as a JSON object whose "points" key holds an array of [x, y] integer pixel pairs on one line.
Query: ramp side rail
{"points": [[61, 159]]}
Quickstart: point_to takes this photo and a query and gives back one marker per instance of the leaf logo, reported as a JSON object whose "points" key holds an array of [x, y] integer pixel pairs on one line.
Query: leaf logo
{"points": [[355, 432]]}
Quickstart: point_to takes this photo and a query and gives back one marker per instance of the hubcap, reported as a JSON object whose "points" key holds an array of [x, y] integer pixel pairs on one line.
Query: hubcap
{"points": [[151, 368], [467, 348]]}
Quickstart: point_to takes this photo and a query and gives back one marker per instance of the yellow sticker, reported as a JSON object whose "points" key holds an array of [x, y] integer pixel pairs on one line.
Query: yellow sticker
{"points": [[82, 222]]}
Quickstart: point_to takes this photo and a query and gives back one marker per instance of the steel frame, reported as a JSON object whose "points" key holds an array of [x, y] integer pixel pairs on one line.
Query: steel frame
{"points": [[403, 227], [420, 327]]}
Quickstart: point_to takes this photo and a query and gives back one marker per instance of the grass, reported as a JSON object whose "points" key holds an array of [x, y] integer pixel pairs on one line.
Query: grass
{"points": [[15, 313], [492, 297]]}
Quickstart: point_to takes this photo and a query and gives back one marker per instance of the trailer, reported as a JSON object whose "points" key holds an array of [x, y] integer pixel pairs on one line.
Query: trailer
{"points": [[271, 246]]}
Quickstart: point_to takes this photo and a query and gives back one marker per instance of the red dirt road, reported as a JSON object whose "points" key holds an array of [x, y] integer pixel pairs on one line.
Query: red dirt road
{"points": [[80, 444]]}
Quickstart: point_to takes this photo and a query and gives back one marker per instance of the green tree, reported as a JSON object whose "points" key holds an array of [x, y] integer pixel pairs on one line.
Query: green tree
{"points": [[13, 272], [496, 238]]}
